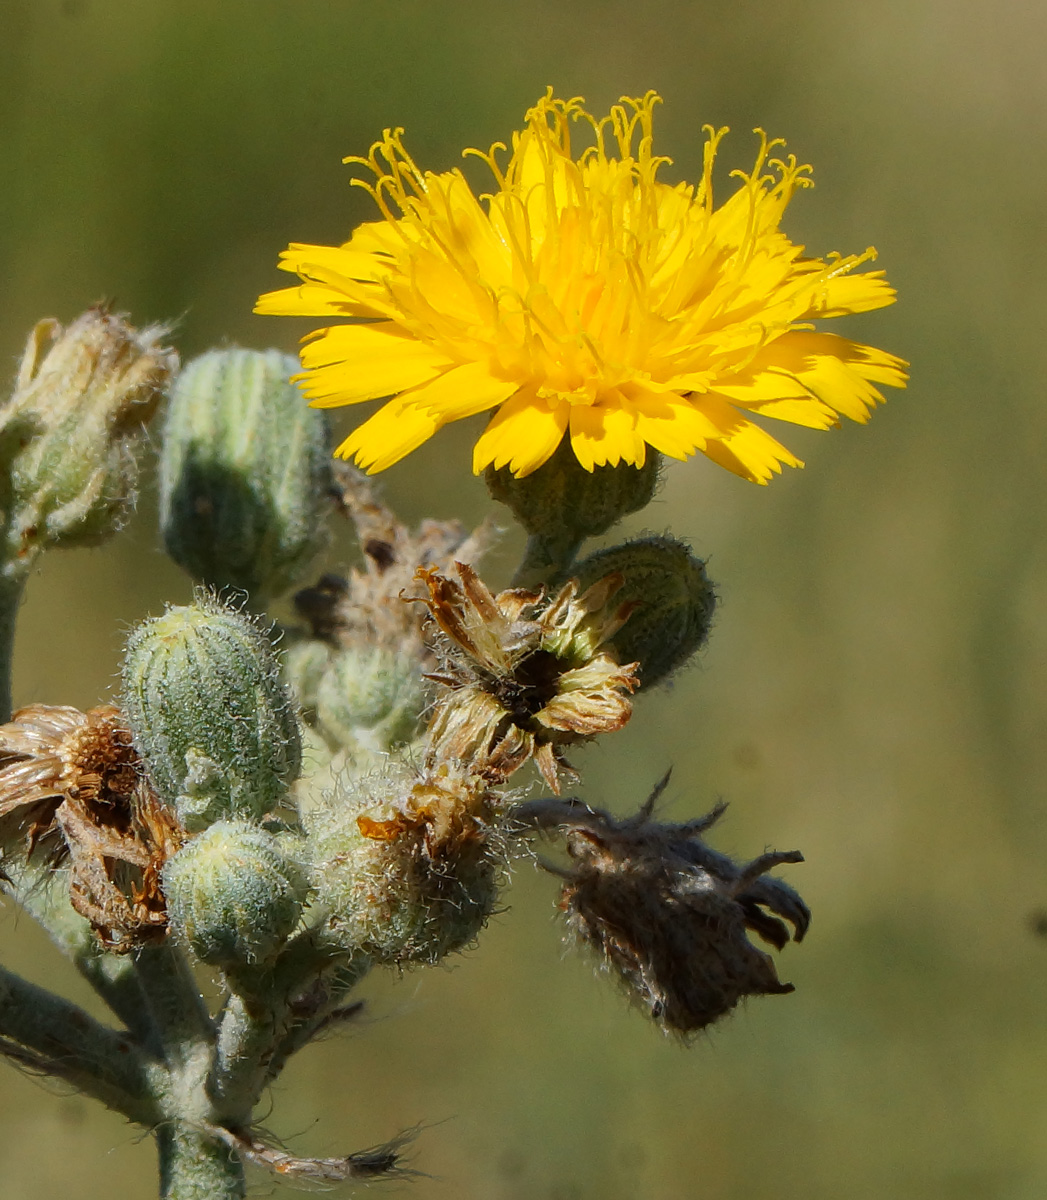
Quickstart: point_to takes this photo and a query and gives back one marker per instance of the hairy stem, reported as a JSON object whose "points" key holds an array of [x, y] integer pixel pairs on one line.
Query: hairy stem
{"points": [[49, 1034], [11, 590], [260, 1026], [197, 1166], [547, 558], [178, 1010]]}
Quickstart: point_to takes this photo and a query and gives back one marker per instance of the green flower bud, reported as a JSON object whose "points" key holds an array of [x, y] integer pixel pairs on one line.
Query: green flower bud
{"points": [[372, 697], [233, 895], [211, 716], [671, 598], [408, 870], [561, 504], [70, 431], [244, 474]]}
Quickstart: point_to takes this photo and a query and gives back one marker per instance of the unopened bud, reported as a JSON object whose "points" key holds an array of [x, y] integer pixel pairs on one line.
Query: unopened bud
{"points": [[668, 595], [244, 474], [561, 504], [70, 431], [233, 895], [407, 869], [211, 716], [372, 697]]}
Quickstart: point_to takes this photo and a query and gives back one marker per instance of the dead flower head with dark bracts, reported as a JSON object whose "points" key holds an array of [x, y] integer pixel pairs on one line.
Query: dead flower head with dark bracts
{"points": [[525, 674], [72, 788], [667, 914]]}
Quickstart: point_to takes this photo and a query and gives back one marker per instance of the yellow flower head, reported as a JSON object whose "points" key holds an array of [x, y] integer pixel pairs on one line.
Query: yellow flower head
{"points": [[583, 298]]}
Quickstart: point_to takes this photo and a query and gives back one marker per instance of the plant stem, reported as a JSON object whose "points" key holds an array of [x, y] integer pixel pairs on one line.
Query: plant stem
{"points": [[51, 1035], [547, 558], [196, 1166], [11, 590], [178, 1009]]}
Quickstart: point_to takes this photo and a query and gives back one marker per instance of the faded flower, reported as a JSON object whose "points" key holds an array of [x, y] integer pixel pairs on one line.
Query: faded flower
{"points": [[668, 915], [72, 787], [526, 674]]}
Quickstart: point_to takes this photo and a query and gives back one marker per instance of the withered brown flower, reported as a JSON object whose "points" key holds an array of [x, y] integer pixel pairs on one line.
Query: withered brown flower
{"points": [[364, 608], [72, 788], [667, 914], [525, 674]]}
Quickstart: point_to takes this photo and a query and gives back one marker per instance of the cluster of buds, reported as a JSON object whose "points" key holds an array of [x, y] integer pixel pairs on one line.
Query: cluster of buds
{"points": [[292, 816]]}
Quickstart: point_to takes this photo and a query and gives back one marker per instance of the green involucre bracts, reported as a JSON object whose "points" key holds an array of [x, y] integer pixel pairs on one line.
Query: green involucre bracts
{"points": [[211, 716], [408, 870], [244, 473], [233, 895], [673, 597]]}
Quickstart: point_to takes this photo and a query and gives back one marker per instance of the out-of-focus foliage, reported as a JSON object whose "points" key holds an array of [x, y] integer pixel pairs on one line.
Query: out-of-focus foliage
{"points": [[875, 688]]}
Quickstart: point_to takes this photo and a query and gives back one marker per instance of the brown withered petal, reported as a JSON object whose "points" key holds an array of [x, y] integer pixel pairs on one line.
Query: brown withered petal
{"points": [[72, 787], [524, 674], [668, 915]]}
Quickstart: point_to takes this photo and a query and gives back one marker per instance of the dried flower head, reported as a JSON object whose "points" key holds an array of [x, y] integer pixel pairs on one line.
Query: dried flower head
{"points": [[364, 609], [72, 787], [525, 674], [70, 431], [585, 300], [407, 865], [668, 915]]}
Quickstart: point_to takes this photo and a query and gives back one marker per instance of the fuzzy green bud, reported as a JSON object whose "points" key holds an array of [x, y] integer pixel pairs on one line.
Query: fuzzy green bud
{"points": [[561, 504], [233, 895], [70, 431], [211, 716], [671, 598], [244, 474], [370, 696], [408, 871]]}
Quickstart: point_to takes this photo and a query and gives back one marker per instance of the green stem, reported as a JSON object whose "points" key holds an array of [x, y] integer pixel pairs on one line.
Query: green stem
{"points": [[196, 1166], [547, 558], [259, 1027], [10, 600], [49, 1034], [178, 1010]]}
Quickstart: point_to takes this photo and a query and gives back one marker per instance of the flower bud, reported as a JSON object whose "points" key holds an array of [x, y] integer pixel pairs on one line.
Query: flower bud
{"points": [[670, 597], [370, 696], [408, 869], [244, 474], [233, 895], [70, 431], [211, 717], [561, 504]]}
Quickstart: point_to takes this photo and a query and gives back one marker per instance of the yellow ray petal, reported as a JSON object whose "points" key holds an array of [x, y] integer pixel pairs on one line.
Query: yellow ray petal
{"points": [[742, 446], [522, 434], [606, 433], [307, 300], [461, 392], [395, 430], [350, 363]]}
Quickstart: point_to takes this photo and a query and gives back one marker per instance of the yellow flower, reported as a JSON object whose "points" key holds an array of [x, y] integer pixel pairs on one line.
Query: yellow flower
{"points": [[584, 298]]}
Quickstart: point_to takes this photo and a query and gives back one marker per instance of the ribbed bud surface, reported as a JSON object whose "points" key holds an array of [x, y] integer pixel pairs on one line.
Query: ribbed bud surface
{"points": [[671, 597], [70, 431], [244, 473], [372, 696], [232, 894], [210, 713]]}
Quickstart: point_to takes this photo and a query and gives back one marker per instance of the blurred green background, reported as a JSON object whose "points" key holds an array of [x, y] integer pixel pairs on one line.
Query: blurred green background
{"points": [[875, 692]]}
